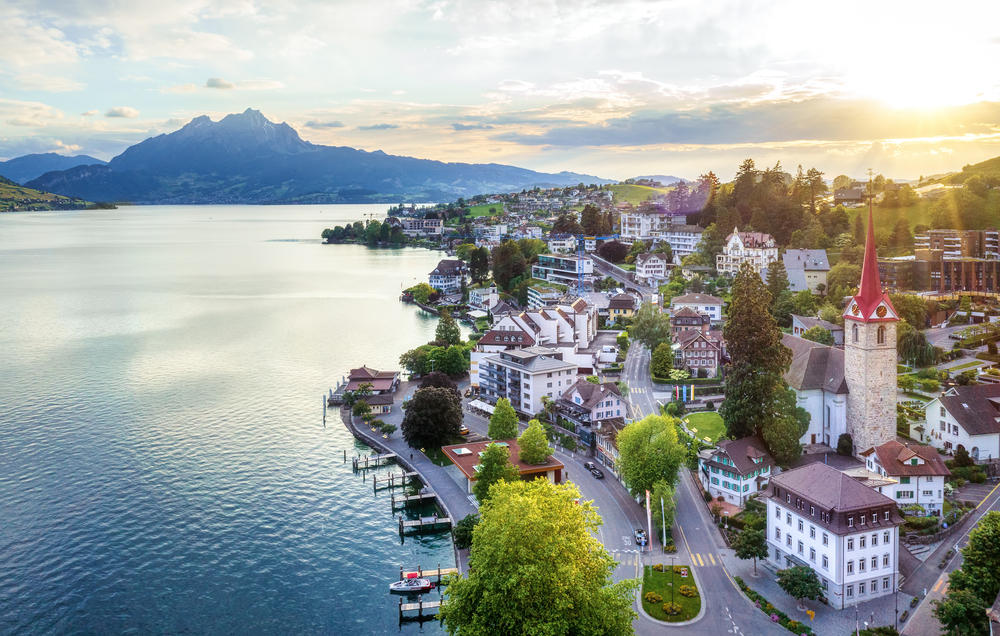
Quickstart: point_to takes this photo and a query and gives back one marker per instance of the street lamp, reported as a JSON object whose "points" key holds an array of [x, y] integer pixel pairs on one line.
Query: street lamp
{"points": [[672, 579]]}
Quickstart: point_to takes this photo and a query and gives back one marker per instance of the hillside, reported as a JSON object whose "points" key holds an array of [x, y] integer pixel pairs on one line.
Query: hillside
{"points": [[14, 197], [25, 168], [989, 169], [635, 194], [245, 158]]}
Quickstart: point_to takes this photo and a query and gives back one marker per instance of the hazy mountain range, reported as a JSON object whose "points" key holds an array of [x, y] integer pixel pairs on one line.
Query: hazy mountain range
{"points": [[245, 158], [28, 167]]}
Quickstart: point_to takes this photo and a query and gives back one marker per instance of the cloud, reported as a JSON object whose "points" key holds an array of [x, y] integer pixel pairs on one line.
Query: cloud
{"points": [[459, 126], [180, 88], [47, 83], [324, 124], [122, 111], [89, 113], [28, 114], [378, 127], [259, 85], [218, 82]]}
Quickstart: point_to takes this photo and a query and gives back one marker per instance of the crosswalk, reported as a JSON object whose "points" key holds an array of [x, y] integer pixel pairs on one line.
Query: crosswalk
{"points": [[635, 558], [703, 561]]}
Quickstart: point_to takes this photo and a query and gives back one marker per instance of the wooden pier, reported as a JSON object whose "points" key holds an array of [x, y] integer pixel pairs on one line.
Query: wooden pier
{"points": [[372, 461], [419, 607], [393, 479], [421, 573], [402, 500], [433, 523]]}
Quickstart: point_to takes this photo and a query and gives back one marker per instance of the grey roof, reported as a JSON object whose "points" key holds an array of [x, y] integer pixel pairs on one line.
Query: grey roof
{"points": [[449, 267], [805, 260], [814, 366], [743, 451], [590, 392], [533, 359], [830, 488], [642, 258], [696, 299], [975, 408], [809, 322]]}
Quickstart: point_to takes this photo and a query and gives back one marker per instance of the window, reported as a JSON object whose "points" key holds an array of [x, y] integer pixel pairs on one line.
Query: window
{"points": [[875, 563], [850, 522], [850, 544], [800, 547], [864, 518], [788, 498], [812, 532], [861, 565], [885, 560], [826, 539], [826, 563], [800, 525], [788, 540], [812, 554], [850, 588], [885, 583], [812, 509], [880, 335], [874, 539], [885, 537], [777, 512], [874, 517], [854, 332], [850, 567], [904, 480], [777, 533], [861, 589], [788, 518], [862, 541]]}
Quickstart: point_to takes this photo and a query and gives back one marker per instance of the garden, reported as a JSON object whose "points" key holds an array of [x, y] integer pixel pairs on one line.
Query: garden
{"points": [[706, 424], [670, 596]]}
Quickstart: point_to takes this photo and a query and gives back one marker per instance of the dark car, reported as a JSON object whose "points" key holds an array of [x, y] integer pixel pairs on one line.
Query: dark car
{"points": [[596, 472], [589, 465], [640, 537]]}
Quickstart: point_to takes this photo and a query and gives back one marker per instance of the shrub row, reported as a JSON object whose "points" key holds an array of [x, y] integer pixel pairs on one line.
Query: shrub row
{"points": [[776, 615]]}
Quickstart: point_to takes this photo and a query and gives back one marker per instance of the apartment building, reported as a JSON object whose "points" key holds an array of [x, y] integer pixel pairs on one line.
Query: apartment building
{"points": [[523, 376], [756, 248], [564, 269]]}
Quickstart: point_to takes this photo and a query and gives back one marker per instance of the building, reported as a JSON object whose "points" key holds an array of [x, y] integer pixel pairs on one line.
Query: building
{"points": [[967, 416], [562, 243], [918, 473], [588, 408], [683, 239], [494, 341], [802, 324], [483, 296], [735, 469], [639, 224], [466, 457], [448, 276], [523, 376], [961, 243], [930, 270], [700, 353], [495, 232], [816, 374], [756, 248], [541, 295], [688, 320], [421, 227], [806, 269], [563, 269], [621, 306], [849, 196], [378, 382], [651, 268], [380, 404], [711, 306], [846, 532]]}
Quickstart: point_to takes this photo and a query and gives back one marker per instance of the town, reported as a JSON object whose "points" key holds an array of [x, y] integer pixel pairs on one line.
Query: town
{"points": [[794, 410]]}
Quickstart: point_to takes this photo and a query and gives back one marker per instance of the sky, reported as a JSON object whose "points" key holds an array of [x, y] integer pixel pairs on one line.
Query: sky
{"points": [[614, 88]]}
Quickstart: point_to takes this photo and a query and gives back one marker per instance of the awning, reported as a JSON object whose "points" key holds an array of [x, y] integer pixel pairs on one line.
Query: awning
{"points": [[482, 406], [477, 313]]}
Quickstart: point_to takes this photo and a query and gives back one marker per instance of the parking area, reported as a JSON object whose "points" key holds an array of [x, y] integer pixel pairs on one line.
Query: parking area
{"points": [[974, 492]]}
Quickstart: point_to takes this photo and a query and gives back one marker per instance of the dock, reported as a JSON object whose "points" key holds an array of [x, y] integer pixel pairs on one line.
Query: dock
{"points": [[421, 573], [402, 500], [393, 479], [419, 607], [372, 461], [433, 523]]}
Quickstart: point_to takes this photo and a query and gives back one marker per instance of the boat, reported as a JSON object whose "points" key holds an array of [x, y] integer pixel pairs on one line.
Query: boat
{"points": [[411, 586]]}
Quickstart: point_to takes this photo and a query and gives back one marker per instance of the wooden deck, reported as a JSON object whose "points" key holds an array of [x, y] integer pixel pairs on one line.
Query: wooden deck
{"points": [[431, 523], [402, 500], [420, 607], [372, 461], [393, 479], [421, 573]]}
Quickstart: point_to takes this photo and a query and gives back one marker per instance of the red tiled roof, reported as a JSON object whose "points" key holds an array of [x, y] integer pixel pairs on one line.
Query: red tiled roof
{"points": [[467, 462], [895, 459], [495, 337], [870, 293]]}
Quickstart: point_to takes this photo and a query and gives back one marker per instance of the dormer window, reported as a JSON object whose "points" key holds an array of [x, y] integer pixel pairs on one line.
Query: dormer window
{"points": [[850, 522]]}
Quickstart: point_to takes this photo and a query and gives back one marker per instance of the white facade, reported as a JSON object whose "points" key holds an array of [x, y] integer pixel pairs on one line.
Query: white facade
{"points": [[421, 227], [755, 248], [562, 244], [926, 491], [701, 303], [945, 431], [563, 269], [483, 298], [650, 268], [827, 415], [524, 376]]}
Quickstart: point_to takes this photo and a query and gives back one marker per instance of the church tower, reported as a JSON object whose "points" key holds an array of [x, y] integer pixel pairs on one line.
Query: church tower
{"points": [[870, 356]]}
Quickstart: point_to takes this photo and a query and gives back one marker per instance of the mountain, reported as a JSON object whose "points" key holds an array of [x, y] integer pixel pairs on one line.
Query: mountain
{"points": [[665, 179], [245, 158], [17, 197], [28, 167]]}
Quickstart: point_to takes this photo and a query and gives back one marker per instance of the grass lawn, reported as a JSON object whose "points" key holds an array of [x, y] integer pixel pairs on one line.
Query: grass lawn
{"points": [[484, 209], [627, 266], [635, 194], [706, 424], [917, 396], [660, 583], [967, 365]]}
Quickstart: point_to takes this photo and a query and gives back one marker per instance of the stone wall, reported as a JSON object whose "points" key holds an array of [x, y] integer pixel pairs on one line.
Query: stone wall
{"points": [[870, 371]]}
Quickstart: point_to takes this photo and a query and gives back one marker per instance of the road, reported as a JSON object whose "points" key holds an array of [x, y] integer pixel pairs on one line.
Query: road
{"points": [[923, 621], [635, 373], [625, 280]]}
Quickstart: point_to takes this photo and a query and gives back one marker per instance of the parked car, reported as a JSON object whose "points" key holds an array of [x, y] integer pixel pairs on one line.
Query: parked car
{"points": [[589, 465], [463, 430], [597, 472], [640, 537]]}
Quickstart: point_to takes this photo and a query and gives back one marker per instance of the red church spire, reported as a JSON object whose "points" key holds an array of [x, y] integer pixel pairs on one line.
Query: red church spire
{"points": [[865, 305]]}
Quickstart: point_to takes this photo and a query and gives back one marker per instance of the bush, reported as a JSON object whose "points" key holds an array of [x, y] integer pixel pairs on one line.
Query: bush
{"points": [[653, 597], [463, 531], [671, 609], [670, 548], [710, 405], [921, 523], [708, 496], [658, 567], [688, 590]]}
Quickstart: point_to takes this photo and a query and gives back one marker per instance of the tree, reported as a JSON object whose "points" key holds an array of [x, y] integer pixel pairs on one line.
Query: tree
{"points": [[508, 263], [479, 264], [503, 421], [650, 327], [648, 451], [758, 359], [433, 417], [494, 466], [463, 531], [592, 221], [819, 334], [788, 423], [451, 360], [777, 282], [751, 544], [901, 236], [416, 361], [973, 587], [841, 181], [663, 505], [440, 380], [963, 613], [534, 444], [566, 224], [843, 276], [845, 445], [531, 248], [962, 457], [447, 329], [536, 567], [613, 251], [911, 308], [662, 360], [800, 582]]}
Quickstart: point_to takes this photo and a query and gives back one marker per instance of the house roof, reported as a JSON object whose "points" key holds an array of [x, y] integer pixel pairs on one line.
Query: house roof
{"points": [[510, 338], [591, 393], [895, 458], [501, 307], [812, 260], [686, 338], [830, 488], [380, 399], [368, 373], [814, 366], [467, 461], [646, 256], [621, 301], [754, 239], [379, 385], [448, 267], [743, 451], [809, 322], [975, 408], [696, 299]]}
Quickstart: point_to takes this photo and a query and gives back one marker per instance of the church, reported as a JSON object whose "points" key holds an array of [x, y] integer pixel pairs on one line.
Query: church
{"points": [[851, 390]]}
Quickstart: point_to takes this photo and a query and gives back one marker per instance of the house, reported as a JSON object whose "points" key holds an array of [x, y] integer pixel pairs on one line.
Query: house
{"points": [[523, 376], [621, 306], [683, 239], [588, 408], [561, 243], [688, 320], [711, 306], [448, 276], [918, 473], [651, 268], [380, 404], [806, 269], [735, 469], [846, 532], [467, 457], [849, 196], [966, 416], [802, 324], [421, 227], [483, 296], [756, 248], [379, 381], [563, 269], [699, 352], [606, 440]]}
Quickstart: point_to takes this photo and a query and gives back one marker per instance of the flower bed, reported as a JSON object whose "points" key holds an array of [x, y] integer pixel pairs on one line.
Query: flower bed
{"points": [[656, 597], [775, 614]]}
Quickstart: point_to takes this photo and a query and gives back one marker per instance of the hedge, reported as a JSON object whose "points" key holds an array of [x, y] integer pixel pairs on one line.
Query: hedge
{"points": [[776, 614]]}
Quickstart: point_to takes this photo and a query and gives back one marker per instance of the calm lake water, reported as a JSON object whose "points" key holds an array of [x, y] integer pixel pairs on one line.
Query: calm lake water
{"points": [[164, 466]]}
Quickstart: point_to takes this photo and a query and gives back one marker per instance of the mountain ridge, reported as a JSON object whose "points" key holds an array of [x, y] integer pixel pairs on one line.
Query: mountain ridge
{"points": [[27, 167], [246, 158]]}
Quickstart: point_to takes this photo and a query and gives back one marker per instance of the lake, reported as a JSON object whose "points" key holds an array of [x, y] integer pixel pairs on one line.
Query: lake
{"points": [[165, 467]]}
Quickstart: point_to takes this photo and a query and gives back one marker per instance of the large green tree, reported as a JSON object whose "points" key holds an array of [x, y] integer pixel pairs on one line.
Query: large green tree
{"points": [[447, 332], [663, 505], [479, 264], [494, 466], [973, 587], [787, 424], [758, 358], [648, 451], [503, 421], [433, 417], [777, 282], [534, 444], [536, 567], [508, 263], [650, 326], [662, 360], [800, 582], [751, 543], [819, 334]]}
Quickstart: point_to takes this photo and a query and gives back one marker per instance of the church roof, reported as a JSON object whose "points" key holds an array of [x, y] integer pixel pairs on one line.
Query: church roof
{"points": [[814, 366], [864, 307]]}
